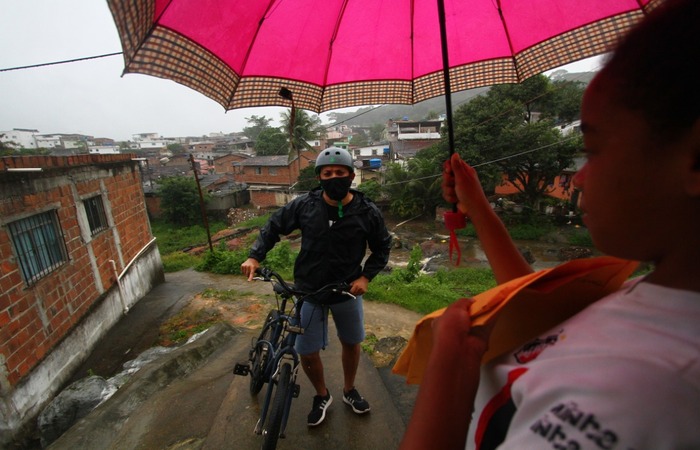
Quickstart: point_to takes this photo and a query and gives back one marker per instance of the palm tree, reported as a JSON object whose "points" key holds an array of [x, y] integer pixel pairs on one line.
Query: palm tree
{"points": [[304, 127]]}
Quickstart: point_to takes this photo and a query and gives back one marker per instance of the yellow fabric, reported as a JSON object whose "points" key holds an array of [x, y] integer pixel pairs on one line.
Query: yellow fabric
{"points": [[525, 308]]}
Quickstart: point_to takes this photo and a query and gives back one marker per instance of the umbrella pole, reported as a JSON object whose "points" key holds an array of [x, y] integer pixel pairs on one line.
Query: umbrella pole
{"points": [[446, 75], [453, 220]]}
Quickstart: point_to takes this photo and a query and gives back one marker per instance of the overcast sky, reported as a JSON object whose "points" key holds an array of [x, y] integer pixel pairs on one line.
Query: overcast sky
{"points": [[91, 97]]}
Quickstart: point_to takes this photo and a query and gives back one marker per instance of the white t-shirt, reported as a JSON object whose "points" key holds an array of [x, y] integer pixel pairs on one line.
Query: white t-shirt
{"points": [[624, 374]]}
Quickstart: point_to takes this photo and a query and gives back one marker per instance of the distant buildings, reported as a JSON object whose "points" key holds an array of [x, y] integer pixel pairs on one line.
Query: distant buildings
{"points": [[60, 144]]}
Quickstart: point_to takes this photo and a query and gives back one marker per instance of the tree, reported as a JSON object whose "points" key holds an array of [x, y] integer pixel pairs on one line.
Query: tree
{"points": [[7, 149], [307, 180], [306, 127], [376, 132], [477, 128], [498, 132], [432, 115], [179, 200], [531, 94], [415, 189], [371, 188], [533, 173], [257, 124], [565, 104], [302, 128], [271, 141], [359, 139]]}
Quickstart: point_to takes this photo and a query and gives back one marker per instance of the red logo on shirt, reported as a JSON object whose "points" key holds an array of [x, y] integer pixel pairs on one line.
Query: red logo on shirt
{"points": [[532, 350]]}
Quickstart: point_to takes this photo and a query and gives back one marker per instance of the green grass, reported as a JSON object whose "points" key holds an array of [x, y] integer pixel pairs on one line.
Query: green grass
{"points": [[255, 222], [427, 293], [172, 238], [176, 261], [227, 295]]}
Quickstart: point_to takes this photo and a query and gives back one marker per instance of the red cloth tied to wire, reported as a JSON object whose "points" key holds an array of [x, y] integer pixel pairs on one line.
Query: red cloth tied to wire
{"points": [[455, 221]]}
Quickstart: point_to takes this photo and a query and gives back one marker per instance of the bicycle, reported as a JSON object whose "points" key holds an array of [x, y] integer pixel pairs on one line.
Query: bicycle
{"points": [[272, 358]]}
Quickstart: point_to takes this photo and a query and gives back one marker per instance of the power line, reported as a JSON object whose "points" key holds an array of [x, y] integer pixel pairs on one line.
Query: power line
{"points": [[515, 155], [66, 61]]}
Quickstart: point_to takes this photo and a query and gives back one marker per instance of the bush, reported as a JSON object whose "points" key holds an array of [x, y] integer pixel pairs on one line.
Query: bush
{"points": [[180, 200], [581, 237], [222, 261], [280, 259]]}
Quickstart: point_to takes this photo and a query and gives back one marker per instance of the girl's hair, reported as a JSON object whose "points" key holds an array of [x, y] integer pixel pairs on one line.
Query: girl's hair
{"points": [[653, 68]]}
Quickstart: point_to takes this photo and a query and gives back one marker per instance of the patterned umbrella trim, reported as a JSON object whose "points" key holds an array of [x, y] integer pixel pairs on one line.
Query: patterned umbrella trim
{"points": [[166, 54]]}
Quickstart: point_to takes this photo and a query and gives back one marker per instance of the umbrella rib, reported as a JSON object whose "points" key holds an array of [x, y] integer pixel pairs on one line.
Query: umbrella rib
{"points": [[248, 51], [330, 49], [510, 43]]}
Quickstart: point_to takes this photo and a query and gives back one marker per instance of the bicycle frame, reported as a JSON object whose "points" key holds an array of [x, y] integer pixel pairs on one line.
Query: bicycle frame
{"points": [[282, 329]]}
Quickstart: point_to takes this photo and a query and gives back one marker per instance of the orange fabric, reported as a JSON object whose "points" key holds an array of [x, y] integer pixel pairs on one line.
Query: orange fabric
{"points": [[524, 308]]}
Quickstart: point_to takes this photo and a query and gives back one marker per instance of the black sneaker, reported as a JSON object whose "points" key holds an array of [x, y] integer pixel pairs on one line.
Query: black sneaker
{"points": [[356, 402], [318, 411]]}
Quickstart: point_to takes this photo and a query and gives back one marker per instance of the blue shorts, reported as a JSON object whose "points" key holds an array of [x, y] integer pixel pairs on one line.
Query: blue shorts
{"points": [[348, 317]]}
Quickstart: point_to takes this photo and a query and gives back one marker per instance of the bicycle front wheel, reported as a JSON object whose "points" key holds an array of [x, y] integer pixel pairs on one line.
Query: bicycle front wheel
{"points": [[261, 355], [284, 391]]}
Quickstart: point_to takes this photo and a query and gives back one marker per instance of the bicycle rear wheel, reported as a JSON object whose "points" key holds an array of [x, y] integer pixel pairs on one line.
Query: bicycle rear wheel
{"points": [[261, 355], [284, 391]]}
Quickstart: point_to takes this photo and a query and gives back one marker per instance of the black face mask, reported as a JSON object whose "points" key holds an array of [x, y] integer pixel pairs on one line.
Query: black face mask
{"points": [[337, 188]]}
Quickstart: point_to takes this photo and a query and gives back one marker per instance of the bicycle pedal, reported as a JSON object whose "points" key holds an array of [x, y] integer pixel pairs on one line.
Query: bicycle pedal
{"points": [[241, 369], [295, 391]]}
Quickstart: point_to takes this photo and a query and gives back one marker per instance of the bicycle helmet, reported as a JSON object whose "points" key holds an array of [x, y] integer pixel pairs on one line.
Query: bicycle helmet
{"points": [[334, 156]]}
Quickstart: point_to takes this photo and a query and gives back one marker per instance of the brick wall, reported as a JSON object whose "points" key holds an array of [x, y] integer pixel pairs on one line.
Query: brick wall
{"points": [[36, 315], [270, 198], [279, 175]]}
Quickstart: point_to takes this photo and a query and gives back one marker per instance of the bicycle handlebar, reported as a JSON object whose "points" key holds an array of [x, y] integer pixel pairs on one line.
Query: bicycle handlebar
{"points": [[267, 274]]}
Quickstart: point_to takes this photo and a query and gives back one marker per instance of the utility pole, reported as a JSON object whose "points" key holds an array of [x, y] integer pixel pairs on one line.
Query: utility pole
{"points": [[202, 207]]}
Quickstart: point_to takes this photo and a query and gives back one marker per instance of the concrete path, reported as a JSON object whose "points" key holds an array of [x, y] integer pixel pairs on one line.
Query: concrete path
{"points": [[190, 399]]}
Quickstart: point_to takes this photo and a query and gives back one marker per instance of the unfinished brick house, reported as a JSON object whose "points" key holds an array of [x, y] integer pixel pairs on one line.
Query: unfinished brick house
{"points": [[76, 252], [226, 163], [270, 178]]}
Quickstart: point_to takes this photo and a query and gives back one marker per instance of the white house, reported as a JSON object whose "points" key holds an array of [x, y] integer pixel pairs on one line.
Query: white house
{"points": [[19, 138], [372, 151], [48, 140]]}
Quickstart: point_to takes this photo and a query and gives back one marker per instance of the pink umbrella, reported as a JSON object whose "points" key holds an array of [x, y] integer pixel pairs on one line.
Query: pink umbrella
{"points": [[339, 53], [321, 55]]}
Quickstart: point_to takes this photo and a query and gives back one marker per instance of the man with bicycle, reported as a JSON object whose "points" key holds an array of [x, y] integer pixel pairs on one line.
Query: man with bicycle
{"points": [[337, 226]]}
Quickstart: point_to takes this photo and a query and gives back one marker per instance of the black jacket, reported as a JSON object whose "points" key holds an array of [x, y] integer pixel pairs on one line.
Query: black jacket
{"points": [[329, 254]]}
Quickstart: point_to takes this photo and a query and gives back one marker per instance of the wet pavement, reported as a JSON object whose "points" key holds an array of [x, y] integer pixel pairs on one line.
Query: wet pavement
{"points": [[190, 399]]}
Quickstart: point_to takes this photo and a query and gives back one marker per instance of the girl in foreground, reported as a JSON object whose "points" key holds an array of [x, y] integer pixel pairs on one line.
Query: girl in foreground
{"points": [[625, 372]]}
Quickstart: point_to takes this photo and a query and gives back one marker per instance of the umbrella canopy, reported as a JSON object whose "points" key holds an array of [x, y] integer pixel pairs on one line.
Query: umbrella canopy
{"points": [[338, 53]]}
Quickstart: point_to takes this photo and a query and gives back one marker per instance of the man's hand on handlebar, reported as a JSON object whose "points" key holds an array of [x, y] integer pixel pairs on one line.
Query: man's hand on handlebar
{"points": [[359, 286], [249, 267]]}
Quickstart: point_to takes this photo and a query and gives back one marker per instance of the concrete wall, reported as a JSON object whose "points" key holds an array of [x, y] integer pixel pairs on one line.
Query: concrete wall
{"points": [[49, 324]]}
